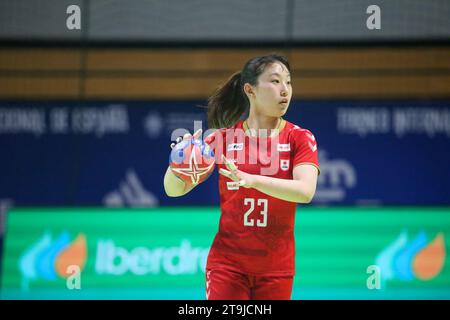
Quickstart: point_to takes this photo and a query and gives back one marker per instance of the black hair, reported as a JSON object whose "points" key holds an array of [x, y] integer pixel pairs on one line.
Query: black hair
{"points": [[229, 102]]}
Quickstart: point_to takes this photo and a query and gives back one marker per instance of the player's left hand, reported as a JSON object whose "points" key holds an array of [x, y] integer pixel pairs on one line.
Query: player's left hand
{"points": [[245, 180]]}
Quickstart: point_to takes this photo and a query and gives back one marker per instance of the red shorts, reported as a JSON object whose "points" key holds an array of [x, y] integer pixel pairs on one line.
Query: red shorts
{"points": [[231, 285]]}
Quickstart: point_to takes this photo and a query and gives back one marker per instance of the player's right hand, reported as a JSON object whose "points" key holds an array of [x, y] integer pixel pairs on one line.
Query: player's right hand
{"points": [[186, 136]]}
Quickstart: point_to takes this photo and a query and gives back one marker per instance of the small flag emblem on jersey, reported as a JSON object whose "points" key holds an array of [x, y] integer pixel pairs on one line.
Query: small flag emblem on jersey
{"points": [[284, 165], [284, 147]]}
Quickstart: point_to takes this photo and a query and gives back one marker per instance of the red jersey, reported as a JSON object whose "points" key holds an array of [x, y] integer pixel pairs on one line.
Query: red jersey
{"points": [[256, 231]]}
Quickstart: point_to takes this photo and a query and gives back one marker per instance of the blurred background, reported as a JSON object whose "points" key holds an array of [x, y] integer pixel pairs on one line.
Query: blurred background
{"points": [[93, 92]]}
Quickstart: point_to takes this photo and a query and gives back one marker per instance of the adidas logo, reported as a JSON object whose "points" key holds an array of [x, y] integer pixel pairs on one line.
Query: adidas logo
{"points": [[131, 193]]}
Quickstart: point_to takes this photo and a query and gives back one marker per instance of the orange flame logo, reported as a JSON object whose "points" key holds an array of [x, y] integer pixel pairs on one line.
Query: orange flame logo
{"points": [[73, 254], [429, 261]]}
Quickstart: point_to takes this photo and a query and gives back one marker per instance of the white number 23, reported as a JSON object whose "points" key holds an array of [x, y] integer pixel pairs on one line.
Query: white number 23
{"points": [[259, 222]]}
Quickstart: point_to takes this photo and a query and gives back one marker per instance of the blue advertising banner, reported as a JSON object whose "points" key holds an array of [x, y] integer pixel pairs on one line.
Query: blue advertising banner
{"points": [[115, 153]]}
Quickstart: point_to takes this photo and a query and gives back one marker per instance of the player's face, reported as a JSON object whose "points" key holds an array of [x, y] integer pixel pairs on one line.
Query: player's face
{"points": [[273, 91]]}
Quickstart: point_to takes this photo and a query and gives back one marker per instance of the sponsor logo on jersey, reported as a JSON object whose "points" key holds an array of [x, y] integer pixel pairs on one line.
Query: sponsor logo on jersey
{"points": [[284, 165], [235, 146], [284, 147], [233, 185]]}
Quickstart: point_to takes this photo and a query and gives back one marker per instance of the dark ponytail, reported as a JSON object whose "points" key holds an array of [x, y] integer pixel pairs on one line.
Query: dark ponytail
{"points": [[229, 102]]}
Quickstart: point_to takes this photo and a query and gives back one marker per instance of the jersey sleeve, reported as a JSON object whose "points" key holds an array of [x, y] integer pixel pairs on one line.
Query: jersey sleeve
{"points": [[305, 148], [210, 138], [215, 141]]}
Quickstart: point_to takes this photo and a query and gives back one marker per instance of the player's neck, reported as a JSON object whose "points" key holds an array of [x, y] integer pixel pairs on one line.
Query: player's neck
{"points": [[263, 126]]}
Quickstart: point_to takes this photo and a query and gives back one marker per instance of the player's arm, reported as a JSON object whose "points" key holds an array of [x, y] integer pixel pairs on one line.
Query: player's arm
{"points": [[300, 189], [174, 186]]}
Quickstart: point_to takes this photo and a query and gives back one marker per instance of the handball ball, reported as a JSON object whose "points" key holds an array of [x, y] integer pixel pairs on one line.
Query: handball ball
{"points": [[192, 161]]}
